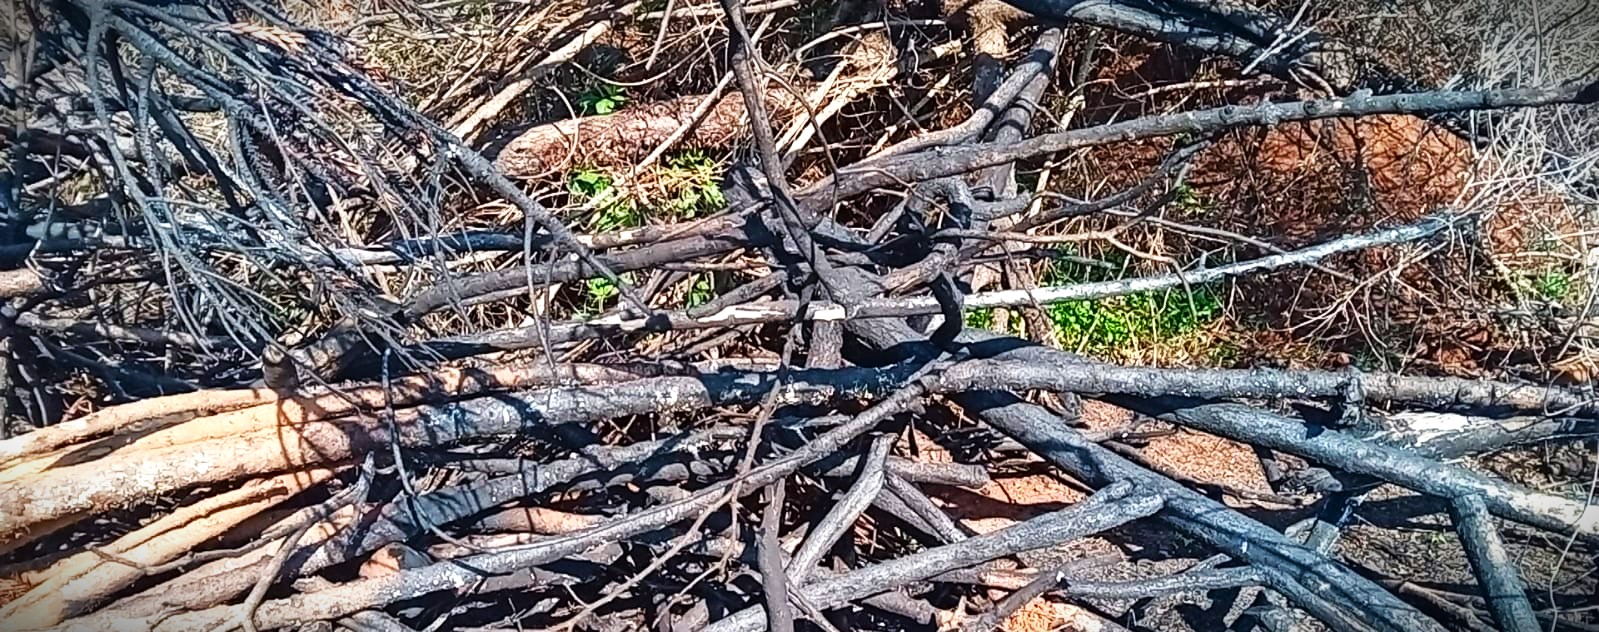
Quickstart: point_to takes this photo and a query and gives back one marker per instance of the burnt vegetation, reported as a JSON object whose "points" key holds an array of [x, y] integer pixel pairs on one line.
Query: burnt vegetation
{"points": [[793, 315]]}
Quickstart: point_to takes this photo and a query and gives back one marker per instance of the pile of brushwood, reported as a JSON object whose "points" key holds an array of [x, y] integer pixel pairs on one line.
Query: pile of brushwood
{"points": [[186, 177]]}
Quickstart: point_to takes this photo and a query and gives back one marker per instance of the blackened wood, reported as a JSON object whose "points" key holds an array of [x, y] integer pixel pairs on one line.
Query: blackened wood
{"points": [[341, 600], [952, 161], [1324, 588], [950, 474], [1346, 452], [1496, 573], [999, 181], [774, 578], [1320, 585], [1110, 508], [841, 518], [1064, 374], [943, 526], [1243, 34]]}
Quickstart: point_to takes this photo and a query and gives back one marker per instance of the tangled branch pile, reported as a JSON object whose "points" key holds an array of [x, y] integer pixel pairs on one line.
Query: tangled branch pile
{"points": [[361, 376]]}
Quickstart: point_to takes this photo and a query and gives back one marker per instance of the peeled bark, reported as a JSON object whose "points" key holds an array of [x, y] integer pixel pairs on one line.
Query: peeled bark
{"points": [[80, 583]]}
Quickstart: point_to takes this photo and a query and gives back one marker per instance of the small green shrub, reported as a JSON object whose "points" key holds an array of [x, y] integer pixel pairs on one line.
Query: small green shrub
{"points": [[602, 98], [691, 182], [589, 183], [688, 187], [612, 210], [980, 318], [1552, 285], [601, 290], [1190, 202], [599, 294]]}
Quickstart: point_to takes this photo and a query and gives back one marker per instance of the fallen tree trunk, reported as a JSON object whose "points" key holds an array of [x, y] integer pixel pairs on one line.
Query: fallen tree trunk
{"points": [[625, 138]]}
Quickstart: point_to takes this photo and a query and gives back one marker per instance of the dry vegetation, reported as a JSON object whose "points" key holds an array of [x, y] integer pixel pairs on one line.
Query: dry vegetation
{"points": [[480, 314]]}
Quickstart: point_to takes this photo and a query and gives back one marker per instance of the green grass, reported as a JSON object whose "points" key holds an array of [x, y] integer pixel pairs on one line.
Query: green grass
{"points": [[983, 318], [1126, 326], [1123, 324], [1108, 325]]}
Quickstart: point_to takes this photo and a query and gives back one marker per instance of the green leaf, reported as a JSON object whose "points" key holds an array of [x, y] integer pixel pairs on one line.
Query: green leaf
{"points": [[603, 98], [701, 292], [589, 183], [980, 318]]}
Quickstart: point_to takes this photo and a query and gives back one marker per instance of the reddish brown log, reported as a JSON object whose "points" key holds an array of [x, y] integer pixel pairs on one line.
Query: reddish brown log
{"points": [[626, 137]]}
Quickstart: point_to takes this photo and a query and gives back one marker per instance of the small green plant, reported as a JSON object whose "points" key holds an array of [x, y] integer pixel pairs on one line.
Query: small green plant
{"points": [[603, 98], [687, 187], [589, 183], [1552, 285], [690, 179], [616, 216], [612, 210], [598, 294], [980, 318], [701, 292], [1189, 201], [601, 290]]}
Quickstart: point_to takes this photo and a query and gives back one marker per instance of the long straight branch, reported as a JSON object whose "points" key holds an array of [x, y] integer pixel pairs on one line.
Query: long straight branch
{"points": [[882, 307], [950, 161]]}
